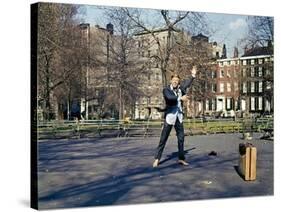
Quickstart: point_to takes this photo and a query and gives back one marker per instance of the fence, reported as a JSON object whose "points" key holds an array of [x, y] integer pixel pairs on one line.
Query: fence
{"points": [[146, 128]]}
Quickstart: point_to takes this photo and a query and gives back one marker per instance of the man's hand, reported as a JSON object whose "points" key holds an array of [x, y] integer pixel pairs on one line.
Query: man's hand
{"points": [[194, 71], [184, 98]]}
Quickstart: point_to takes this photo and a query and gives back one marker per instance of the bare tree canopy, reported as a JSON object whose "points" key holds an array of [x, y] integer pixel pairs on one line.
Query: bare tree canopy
{"points": [[172, 21], [59, 53], [261, 30], [117, 55]]}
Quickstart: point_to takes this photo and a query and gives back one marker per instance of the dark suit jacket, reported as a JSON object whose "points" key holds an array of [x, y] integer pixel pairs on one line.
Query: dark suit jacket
{"points": [[171, 99]]}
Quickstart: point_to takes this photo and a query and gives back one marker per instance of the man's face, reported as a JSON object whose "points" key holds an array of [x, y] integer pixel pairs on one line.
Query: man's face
{"points": [[175, 82]]}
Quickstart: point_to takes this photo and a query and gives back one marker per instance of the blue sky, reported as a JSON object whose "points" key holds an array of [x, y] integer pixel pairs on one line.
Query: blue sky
{"points": [[226, 29], [229, 30]]}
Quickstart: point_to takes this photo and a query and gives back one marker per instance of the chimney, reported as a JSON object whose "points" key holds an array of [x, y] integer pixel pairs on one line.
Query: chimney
{"points": [[269, 44], [109, 28], [84, 26], [245, 49], [223, 52], [217, 55], [235, 53]]}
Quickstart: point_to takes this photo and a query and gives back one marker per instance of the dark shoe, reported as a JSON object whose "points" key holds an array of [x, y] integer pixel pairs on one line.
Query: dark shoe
{"points": [[213, 153]]}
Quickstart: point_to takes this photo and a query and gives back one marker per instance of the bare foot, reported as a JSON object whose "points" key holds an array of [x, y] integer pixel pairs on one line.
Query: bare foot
{"points": [[182, 162], [155, 163]]}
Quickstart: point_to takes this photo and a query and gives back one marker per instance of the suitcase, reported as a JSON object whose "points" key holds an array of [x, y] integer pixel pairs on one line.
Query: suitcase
{"points": [[248, 161]]}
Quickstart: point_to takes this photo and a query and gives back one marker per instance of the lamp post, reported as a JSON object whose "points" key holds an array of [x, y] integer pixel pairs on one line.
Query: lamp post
{"points": [[85, 27]]}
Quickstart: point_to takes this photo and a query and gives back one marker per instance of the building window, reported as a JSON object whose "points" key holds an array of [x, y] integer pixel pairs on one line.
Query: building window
{"points": [[206, 86], [228, 88], [228, 103], [252, 87], [153, 100], [228, 73], [268, 85], [244, 87], [261, 61], [252, 62], [267, 72], [260, 86], [156, 65], [260, 71], [148, 53], [142, 42], [244, 62], [260, 103], [214, 74], [207, 104], [236, 86], [157, 77], [252, 72], [214, 88], [235, 73], [221, 87], [253, 103], [221, 73], [212, 104], [244, 72]]}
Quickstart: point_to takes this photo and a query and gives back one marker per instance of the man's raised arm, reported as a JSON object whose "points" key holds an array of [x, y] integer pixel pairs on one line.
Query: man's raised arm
{"points": [[187, 83]]}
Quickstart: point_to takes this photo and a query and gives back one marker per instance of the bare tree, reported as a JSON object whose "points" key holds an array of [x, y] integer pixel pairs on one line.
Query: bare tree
{"points": [[260, 37], [172, 20], [115, 66], [58, 53], [197, 52], [260, 30]]}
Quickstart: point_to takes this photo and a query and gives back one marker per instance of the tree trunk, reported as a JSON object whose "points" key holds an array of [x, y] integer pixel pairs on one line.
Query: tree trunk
{"points": [[120, 104]]}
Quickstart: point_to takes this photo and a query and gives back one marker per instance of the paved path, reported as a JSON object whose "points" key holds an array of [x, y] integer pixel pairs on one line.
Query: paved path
{"points": [[114, 171]]}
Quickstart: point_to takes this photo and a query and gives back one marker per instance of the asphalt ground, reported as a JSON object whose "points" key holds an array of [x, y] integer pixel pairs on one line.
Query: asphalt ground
{"points": [[118, 171]]}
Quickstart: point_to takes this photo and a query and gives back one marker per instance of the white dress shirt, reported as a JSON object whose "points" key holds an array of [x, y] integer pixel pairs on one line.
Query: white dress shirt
{"points": [[171, 118]]}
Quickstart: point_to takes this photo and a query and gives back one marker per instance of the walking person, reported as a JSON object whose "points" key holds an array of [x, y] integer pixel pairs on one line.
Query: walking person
{"points": [[174, 94]]}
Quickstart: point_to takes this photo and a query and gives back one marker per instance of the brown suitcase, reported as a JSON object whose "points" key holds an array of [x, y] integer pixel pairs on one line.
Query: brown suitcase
{"points": [[248, 161]]}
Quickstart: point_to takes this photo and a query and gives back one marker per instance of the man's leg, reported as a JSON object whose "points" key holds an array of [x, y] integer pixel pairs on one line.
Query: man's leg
{"points": [[180, 135], [163, 139]]}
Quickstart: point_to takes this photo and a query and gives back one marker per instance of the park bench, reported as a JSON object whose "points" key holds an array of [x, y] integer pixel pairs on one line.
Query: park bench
{"points": [[195, 126], [265, 125], [142, 128], [231, 127], [56, 129]]}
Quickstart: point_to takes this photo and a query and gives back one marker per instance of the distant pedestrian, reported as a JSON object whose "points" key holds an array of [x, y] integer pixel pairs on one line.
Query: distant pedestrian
{"points": [[174, 95]]}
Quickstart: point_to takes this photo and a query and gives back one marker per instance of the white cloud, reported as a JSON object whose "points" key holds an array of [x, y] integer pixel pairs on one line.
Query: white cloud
{"points": [[238, 23]]}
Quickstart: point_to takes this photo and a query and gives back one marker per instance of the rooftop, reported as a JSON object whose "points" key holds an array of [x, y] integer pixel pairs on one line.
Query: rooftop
{"points": [[258, 51]]}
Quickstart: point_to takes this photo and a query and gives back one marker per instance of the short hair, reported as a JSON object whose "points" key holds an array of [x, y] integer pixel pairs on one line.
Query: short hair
{"points": [[175, 75]]}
